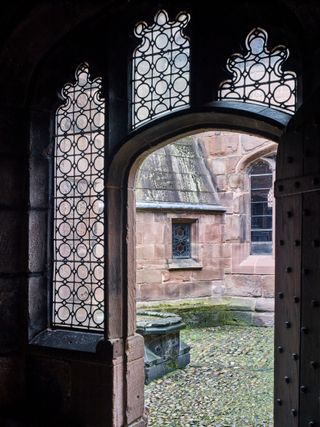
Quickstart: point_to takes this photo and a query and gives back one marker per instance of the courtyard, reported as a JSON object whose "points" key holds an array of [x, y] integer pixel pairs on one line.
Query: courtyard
{"points": [[229, 382]]}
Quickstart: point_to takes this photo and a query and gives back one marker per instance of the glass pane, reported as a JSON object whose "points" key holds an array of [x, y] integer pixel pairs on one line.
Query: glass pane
{"points": [[258, 75], [181, 240], [161, 67], [261, 248], [261, 181], [261, 222], [260, 208], [78, 252], [261, 236], [259, 195], [260, 168]]}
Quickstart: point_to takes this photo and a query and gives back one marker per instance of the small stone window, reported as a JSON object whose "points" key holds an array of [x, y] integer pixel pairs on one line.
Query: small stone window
{"points": [[181, 240], [261, 208]]}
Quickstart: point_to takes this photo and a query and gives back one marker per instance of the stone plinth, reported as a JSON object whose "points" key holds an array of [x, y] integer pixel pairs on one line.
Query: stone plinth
{"points": [[163, 349]]}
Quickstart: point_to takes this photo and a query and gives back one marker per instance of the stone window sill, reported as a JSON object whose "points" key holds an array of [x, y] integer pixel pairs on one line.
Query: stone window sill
{"points": [[184, 264], [255, 264], [68, 340]]}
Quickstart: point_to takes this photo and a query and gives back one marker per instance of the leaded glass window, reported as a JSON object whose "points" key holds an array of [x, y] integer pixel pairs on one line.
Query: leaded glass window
{"points": [[181, 240], [261, 208], [78, 247], [161, 68], [257, 76]]}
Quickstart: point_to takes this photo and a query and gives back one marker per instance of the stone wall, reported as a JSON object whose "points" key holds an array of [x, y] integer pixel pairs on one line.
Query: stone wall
{"points": [[158, 278], [221, 264]]}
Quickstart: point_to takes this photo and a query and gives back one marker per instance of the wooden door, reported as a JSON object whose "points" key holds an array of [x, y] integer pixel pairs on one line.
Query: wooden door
{"points": [[297, 322]]}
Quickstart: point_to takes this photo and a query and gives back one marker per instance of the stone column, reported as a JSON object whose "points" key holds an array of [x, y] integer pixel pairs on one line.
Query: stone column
{"points": [[13, 255]]}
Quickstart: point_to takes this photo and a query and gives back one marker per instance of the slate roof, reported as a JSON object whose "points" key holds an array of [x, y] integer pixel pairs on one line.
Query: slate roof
{"points": [[176, 174]]}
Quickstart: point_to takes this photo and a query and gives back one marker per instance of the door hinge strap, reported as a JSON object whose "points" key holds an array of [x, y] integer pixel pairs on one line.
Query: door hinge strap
{"points": [[297, 185]]}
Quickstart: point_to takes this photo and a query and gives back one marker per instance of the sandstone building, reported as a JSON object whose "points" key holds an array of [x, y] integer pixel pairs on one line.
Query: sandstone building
{"points": [[217, 188]]}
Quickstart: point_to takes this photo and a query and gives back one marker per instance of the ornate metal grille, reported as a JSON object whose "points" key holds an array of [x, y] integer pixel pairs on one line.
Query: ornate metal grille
{"points": [[261, 211], [78, 264], [181, 240], [161, 67], [257, 77]]}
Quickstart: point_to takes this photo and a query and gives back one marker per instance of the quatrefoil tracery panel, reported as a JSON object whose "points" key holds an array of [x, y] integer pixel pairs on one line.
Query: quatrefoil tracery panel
{"points": [[78, 234], [161, 68], [257, 77]]}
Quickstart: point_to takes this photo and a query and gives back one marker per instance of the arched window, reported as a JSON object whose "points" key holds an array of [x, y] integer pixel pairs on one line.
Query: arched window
{"points": [[161, 68], [78, 250], [261, 182], [257, 76]]}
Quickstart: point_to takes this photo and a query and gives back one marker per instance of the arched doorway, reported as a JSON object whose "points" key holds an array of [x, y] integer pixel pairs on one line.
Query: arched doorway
{"points": [[121, 350], [204, 252], [127, 161]]}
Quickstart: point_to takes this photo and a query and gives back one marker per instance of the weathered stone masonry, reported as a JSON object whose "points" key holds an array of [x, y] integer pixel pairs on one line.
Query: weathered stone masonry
{"points": [[203, 180]]}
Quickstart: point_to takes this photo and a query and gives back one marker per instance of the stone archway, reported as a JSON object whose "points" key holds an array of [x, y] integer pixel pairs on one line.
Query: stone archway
{"points": [[188, 182], [121, 191], [27, 41]]}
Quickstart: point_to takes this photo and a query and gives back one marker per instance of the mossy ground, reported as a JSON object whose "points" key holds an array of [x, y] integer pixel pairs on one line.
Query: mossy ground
{"points": [[229, 382], [205, 313]]}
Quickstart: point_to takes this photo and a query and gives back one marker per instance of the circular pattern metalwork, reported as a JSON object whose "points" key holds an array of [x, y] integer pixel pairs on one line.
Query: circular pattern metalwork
{"points": [[181, 240], [257, 77], [78, 262], [161, 68]]}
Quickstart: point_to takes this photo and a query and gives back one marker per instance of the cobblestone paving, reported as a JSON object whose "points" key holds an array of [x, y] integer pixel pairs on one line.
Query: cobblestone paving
{"points": [[229, 382]]}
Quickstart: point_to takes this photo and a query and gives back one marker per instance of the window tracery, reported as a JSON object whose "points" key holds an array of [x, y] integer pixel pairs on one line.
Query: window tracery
{"points": [[78, 205], [161, 67], [181, 240], [258, 77]]}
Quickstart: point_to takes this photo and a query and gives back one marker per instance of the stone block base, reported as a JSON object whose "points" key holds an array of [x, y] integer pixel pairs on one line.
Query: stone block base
{"points": [[159, 367]]}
